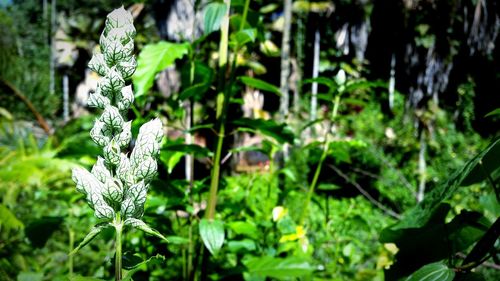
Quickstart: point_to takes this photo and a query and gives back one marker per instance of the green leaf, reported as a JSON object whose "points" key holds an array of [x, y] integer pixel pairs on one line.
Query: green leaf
{"points": [[91, 235], [8, 220], [470, 173], [280, 132], [493, 113], [212, 234], [40, 230], [171, 159], [245, 245], [484, 245], [259, 84], [131, 261], [213, 14], [437, 271], [139, 224], [244, 228], [177, 240], [153, 59], [279, 268], [30, 276], [242, 37], [202, 80], [130, 273]]}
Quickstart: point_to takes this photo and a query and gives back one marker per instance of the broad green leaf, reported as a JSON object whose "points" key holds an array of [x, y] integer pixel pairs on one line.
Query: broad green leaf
{"points": [[484, 245], [130, 273], [435, 241], [493, 113], [242, 37], [91, 235], [279, 268], [203, 77], [177, 240], [244, 228], [171, 159], [487, 165], [212, 234], [259, 84], [245, 245], [153, 59], [131, 261], [282, 133], [30, 276], [437, 271], [8, 220], [213, 14], [470, 173], [139, 224]]}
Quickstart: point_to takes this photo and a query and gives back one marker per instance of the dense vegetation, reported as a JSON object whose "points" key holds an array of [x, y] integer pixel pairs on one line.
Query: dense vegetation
{"points": [[302, 140]]}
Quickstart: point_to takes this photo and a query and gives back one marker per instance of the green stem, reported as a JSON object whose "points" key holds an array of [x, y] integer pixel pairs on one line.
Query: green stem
{"points": [[245, 13], [320, 163], [222, 102], [118, 223], [71, 247]]}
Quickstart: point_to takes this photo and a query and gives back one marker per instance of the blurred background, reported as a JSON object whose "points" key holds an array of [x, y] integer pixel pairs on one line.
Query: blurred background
{"points": [[419, 82]]}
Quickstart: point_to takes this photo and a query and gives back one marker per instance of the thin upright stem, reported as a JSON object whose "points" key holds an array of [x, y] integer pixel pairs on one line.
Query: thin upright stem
{"points": [[314, 182], [222, 102], [118, 223]]}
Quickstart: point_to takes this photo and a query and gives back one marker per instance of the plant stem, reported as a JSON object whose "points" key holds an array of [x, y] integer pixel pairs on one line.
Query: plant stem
{"points": [[320, 163], [118, 245], [222, 102]]}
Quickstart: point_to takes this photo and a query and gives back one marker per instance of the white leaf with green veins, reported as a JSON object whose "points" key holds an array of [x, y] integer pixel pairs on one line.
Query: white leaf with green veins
{"points": [[100, 171]]}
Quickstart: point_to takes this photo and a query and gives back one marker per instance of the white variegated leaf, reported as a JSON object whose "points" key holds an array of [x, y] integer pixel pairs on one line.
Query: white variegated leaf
{"points": [[127, 67], [100, 171], [112, 117], [154, 128], [124, 171], [98, 100], [123, 138], [112, 153], [137, 193], [126, 98], [100, 134], [111, 83], [113, 193], [98, 65], [128, 208], [114, 52], [118, 35], [146, 170], [118, 18]]}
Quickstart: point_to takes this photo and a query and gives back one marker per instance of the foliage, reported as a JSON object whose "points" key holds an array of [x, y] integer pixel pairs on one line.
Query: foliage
{"points": [[241, 192]]}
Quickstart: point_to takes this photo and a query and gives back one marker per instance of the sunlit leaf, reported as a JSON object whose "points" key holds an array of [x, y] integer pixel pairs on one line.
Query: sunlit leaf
{"points": [[153, 59], [433, 272], [279, 268], [213, 14], [259, 84], [212, 234]]}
